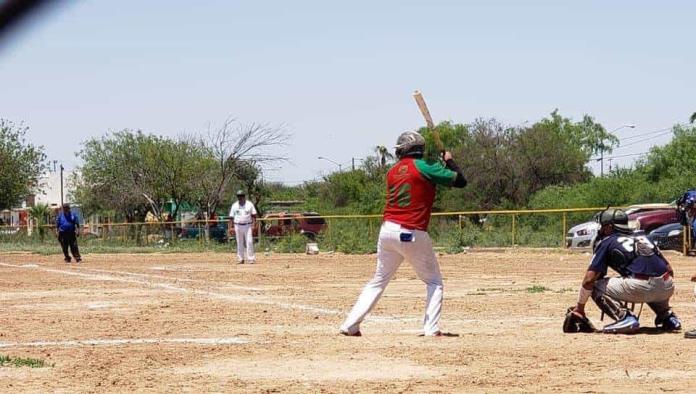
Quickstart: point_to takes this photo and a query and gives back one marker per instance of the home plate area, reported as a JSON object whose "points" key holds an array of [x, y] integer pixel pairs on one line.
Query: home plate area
{"points": [[196, 322]]}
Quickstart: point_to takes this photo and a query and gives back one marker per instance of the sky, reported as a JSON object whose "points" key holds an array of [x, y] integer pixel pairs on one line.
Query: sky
{"points": [[339, 76]]}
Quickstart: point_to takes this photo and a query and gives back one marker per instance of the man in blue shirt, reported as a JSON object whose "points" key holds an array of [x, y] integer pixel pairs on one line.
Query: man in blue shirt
{"points": [[645, 276], [67, 226]]}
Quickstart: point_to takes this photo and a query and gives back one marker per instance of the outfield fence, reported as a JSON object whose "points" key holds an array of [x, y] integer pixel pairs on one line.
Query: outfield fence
{"points": [[450, 231]]}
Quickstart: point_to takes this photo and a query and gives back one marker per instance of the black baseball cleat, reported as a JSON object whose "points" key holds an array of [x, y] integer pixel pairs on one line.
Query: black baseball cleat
{"points": [[348, 334], [66, 260], [78, 260], [690, 334], [240, 262]]}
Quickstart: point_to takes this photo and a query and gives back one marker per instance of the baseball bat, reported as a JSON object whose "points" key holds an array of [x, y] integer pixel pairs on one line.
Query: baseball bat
{"points": [[420, 101]]}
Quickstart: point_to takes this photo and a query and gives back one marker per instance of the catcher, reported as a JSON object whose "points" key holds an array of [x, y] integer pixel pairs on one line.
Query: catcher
{"points": [[645, 277]]}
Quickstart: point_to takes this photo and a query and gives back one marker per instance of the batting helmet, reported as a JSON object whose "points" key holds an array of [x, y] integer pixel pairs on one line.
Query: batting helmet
{"points": [[410, 143]]}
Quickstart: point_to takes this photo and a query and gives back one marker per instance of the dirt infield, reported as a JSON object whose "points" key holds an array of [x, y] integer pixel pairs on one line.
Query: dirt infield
{"points": [[196, 322]]}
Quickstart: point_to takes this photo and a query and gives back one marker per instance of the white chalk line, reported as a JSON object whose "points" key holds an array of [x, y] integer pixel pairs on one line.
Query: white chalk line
{"points": [[171, 287], [231, 286], [120, 342], [261, 301]]}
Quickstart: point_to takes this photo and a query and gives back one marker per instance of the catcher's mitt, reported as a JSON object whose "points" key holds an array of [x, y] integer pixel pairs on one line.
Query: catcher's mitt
{"points": [[576, 323]]}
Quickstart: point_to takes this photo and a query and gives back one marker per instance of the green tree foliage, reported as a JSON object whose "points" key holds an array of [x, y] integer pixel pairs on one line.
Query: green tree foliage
{"points": [[132, 173], [21, 164], [504, 165], [587, 135], [41, 214], [110, 173], [662, 176], [354, 191]]}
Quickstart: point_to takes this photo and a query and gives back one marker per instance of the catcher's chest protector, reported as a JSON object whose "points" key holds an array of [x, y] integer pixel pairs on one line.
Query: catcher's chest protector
{"points": [[626, 248]]}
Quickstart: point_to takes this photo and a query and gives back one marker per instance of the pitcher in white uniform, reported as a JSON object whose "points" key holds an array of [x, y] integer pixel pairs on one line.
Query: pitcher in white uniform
{"points": [[243, 216]]}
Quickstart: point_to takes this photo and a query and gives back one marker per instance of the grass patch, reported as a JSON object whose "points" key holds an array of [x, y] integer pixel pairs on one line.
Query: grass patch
{"points": [[537, 289], [7, 361]]}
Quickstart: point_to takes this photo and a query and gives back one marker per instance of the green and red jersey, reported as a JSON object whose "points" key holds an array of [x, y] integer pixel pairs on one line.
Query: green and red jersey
{"points": [[411, 191]]}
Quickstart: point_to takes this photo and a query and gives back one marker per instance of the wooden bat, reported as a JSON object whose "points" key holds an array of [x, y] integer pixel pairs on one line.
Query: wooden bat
{"points": [[428, 119]]}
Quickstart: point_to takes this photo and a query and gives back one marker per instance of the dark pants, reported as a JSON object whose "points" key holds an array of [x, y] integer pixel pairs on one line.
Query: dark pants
{"points": [[69, 240]]}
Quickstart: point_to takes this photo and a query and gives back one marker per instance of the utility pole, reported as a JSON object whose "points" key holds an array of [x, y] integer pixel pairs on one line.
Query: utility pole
{"points": [[61, 185], [601, 153]]}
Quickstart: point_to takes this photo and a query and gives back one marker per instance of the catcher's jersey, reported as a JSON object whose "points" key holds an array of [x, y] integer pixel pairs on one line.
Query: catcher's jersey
{"points": [[411, 191], [628, 254]]}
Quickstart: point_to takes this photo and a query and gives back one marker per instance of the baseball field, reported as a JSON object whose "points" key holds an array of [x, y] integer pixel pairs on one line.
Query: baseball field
{"points": [[196, 322]]}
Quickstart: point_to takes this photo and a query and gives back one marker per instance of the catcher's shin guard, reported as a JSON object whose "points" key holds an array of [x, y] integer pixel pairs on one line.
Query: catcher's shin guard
{"points": [[608, 306]]}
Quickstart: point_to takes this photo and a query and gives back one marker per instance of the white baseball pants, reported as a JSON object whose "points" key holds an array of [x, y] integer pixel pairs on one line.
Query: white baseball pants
{"points": [[245, 242], [392, 248]]}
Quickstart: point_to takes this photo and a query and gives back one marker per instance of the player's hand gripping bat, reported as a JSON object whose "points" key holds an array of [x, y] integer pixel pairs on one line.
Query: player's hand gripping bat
{"points": [[428, 120]]}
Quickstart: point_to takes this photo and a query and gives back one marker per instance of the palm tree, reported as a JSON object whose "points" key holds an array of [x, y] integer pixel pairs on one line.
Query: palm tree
{"points": [[40, 213], [383, 154]]}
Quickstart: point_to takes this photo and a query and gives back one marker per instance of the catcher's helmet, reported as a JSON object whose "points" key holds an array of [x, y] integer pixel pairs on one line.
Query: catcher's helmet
{"points": [[410, 143], [614, 216]]}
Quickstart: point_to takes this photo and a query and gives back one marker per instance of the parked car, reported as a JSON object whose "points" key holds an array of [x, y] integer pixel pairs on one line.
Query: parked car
{"points": [[650, 220], [583, 234], [668, 237], [283, 223], [217, 231]]}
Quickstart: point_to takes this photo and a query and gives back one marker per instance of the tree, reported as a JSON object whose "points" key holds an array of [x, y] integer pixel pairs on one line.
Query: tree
{"points": [[117, 173], [384, 155], [21, 164], [234, 151], [589, 136], [41, 214], [692, 119]]}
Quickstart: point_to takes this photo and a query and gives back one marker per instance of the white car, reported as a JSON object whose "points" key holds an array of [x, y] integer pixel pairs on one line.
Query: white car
{"points": [[584, 234]]}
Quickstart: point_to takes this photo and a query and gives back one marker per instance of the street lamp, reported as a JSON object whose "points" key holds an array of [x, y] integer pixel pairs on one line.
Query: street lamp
{"points": [[327, 159], [601, 153]]}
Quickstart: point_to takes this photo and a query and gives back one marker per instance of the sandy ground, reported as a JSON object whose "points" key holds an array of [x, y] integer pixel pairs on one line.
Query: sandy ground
{"points": [[196, 322]]}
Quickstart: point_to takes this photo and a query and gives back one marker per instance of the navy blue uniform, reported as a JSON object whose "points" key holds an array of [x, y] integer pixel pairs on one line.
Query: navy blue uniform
{"points": [[628, 255]]}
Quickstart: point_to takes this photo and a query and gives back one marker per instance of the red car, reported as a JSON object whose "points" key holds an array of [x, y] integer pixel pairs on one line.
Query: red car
{"points": [[283, 223], [650, 220]]}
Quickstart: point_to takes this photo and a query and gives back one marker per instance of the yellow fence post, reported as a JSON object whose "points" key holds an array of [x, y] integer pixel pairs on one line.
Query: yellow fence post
{"points": [[513, 229], [685, 240], [259, 223]]}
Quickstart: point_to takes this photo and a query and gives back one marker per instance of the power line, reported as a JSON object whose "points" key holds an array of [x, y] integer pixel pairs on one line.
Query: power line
{"points": [[620, 156], [645, 139], [644, 134]]}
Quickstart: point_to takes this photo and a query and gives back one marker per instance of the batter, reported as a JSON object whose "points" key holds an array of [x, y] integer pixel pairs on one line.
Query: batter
{"points": [[411, 187]]}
